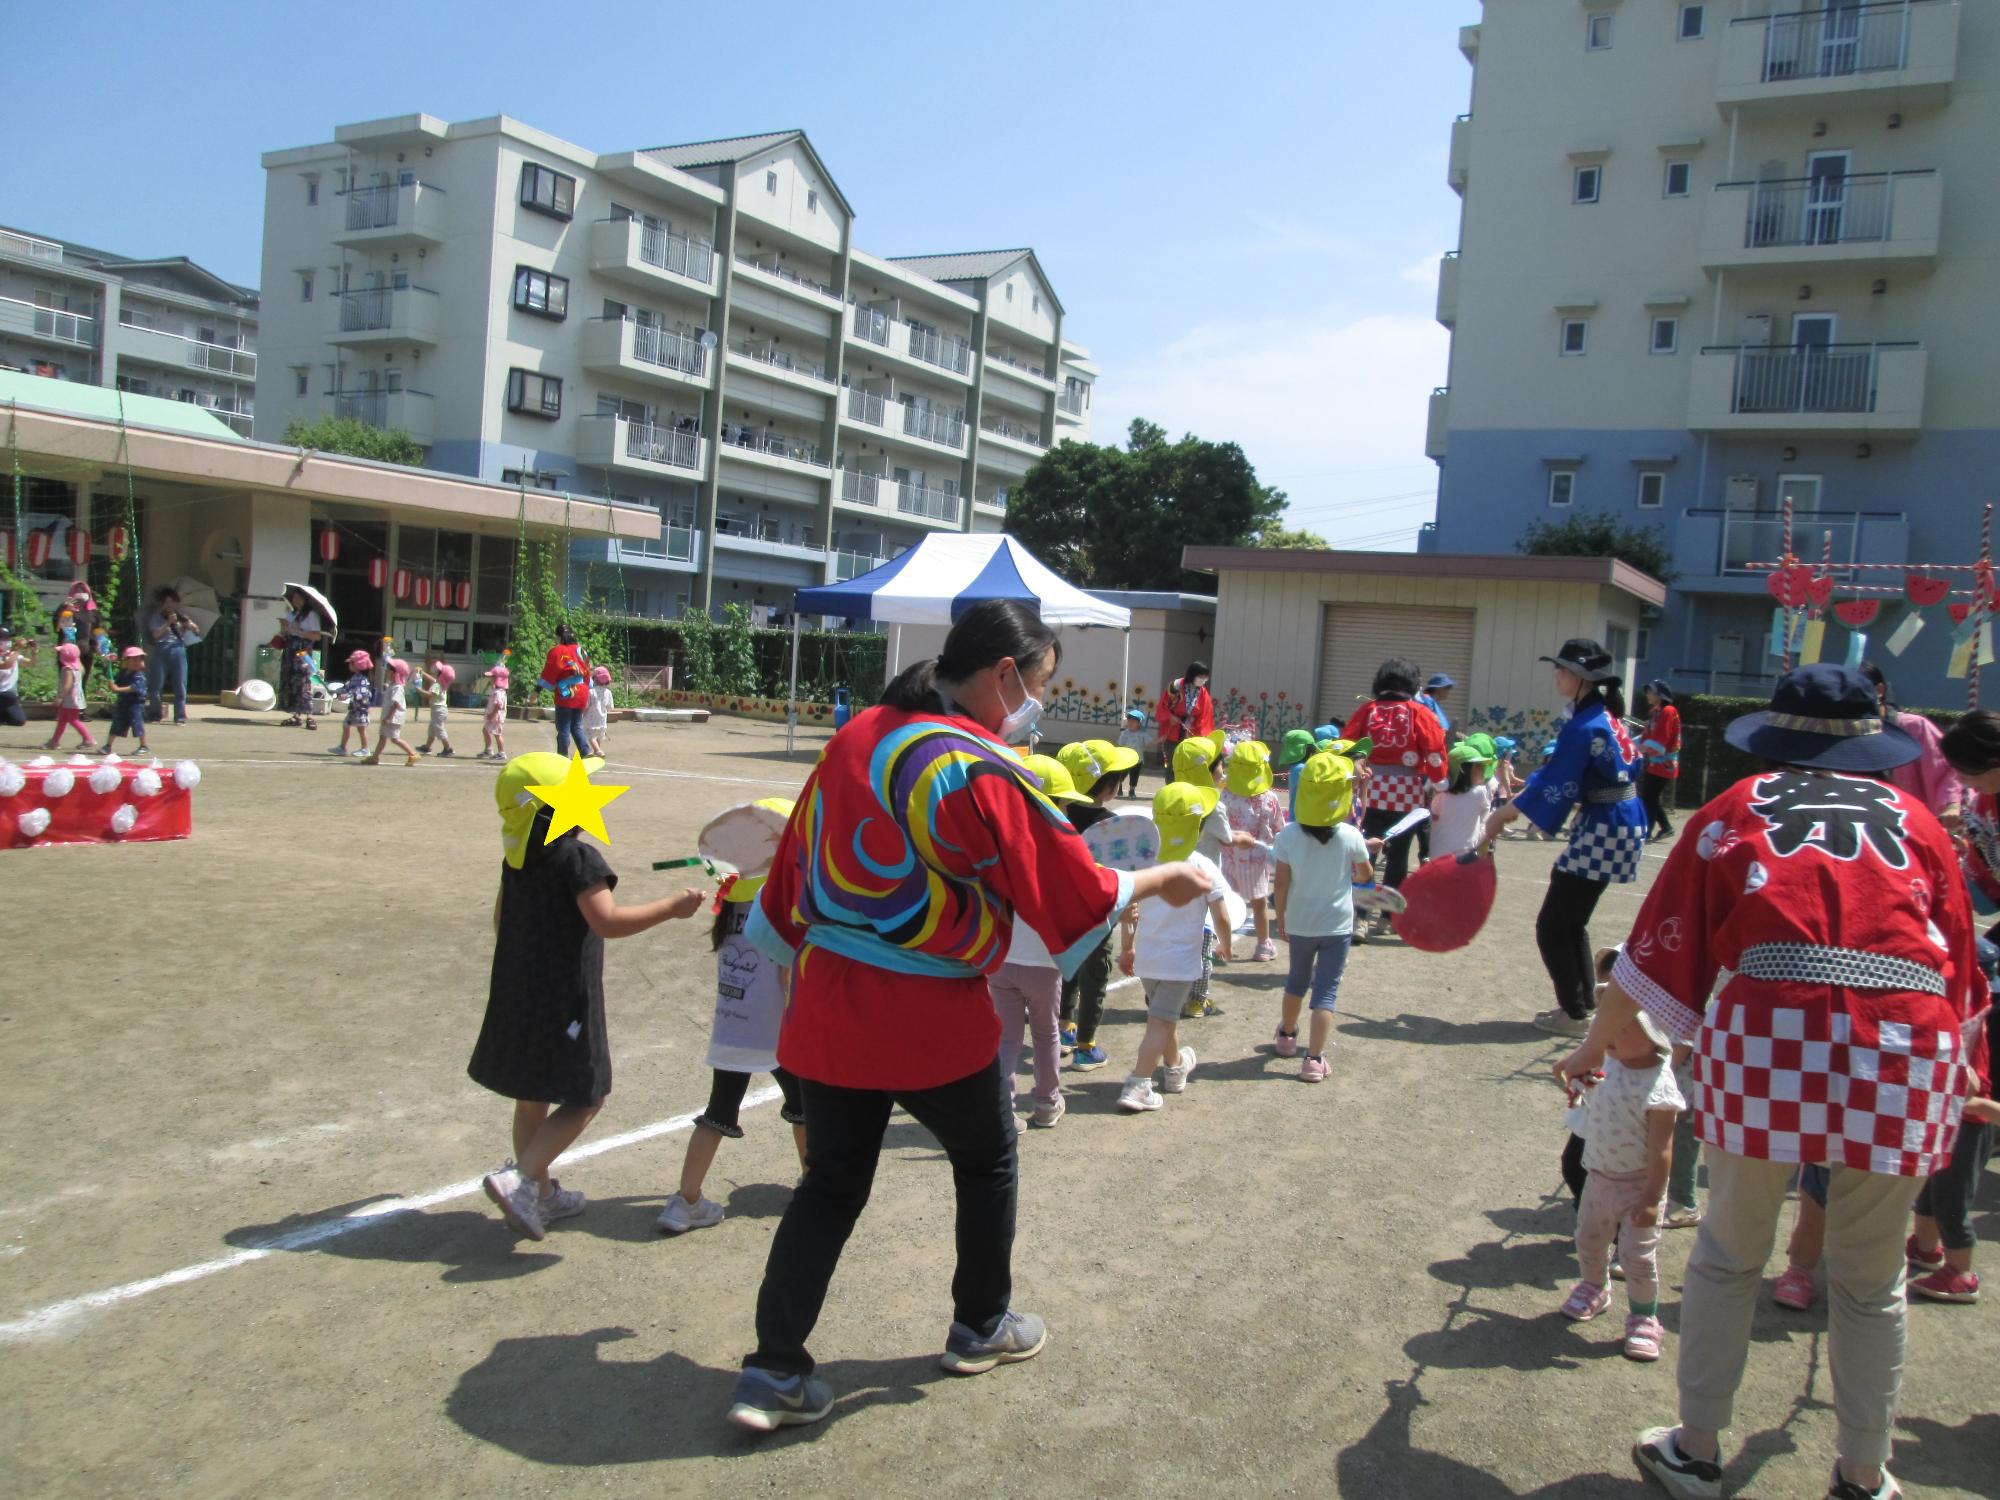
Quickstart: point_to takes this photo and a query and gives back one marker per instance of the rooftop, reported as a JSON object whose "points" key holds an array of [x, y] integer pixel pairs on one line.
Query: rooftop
{"points": [[1605, 571], [89, 257], [102, 404]]}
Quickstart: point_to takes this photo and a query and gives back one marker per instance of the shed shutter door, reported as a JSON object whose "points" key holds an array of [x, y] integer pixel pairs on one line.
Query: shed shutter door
{"points": [[1360, 637]]}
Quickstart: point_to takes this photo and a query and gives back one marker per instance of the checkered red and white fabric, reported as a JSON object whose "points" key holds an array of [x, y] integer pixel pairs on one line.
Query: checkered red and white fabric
{"points": [[1398, 791], [1844, 1041]]}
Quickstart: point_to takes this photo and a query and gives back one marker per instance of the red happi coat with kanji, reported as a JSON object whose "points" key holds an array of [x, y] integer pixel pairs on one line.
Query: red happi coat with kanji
{"points": [[1847, 1041]]}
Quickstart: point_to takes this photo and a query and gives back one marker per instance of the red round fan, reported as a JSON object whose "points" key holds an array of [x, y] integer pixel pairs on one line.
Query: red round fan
{"points": [[1449, 901]]}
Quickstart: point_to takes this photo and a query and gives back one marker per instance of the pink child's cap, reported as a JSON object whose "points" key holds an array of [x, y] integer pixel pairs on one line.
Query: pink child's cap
{"points": [[500, 676], [601, 676], [398, 668], [68, 655], [132, 653]]}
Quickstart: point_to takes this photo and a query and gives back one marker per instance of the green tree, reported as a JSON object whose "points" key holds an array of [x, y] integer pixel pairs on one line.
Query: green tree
{"points": [[1283, 538], [1111, 518], [1644, 547], [389, 445]]}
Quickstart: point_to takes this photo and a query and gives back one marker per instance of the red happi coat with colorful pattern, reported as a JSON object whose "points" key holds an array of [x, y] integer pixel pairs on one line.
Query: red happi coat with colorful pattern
{"points": [[1842, 896], [1407, 761]]}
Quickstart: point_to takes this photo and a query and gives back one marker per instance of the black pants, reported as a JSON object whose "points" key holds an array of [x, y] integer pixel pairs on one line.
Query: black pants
{"points": [[1948, 1192], [1562, 932], [1083, 995], [1574, 1176], [1132, 779], [1378, 821], [725, 1101], [1652, 795], [973, 1119]]}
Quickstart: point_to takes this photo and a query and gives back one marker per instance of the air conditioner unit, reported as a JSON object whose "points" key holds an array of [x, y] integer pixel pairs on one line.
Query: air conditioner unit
{"points": [[1740, 492], [1758, 329]]}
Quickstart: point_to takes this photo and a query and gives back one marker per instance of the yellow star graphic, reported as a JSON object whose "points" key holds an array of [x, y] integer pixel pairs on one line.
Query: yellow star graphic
{"points": [[576, 802]]}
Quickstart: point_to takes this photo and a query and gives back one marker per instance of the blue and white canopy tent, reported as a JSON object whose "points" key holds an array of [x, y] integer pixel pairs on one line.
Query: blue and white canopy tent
{"points": [[942, 577]]}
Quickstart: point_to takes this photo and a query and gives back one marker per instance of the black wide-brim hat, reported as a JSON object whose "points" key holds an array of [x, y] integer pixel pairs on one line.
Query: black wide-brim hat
{"points": [[1586, 658], [1826, 717]]}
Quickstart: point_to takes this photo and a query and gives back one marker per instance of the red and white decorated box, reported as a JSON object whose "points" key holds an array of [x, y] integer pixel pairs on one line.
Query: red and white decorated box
{"points": [[94, 801]]}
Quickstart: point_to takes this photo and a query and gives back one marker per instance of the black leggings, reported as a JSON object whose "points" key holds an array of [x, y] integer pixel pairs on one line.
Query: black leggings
{"points": [[1574, 1176], [1562, 932], [1948, 1192], [1396, 865], [1652, 795], [725, 1102]]}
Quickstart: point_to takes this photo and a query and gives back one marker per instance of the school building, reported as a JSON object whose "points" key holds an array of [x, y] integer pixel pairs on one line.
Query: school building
{"points": [[1300, 634], [425, 556]]}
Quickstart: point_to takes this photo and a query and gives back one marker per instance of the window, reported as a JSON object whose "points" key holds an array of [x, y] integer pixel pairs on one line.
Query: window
{"points": [[1652, 489], [1644, 648], [305, 286], [533, 394], [1589, 182], [299, 379], [1694, 22], [540, 293], [1562, 486], [1574, 333], [312, 191], [1666, 336], [1680, 178], [812, 201], [770, 182], [1036, 300], [1597, 33], [547, 191]]}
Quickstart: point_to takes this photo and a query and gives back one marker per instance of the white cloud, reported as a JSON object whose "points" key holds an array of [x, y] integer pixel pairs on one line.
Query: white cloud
{"points": [[1330, 408]]}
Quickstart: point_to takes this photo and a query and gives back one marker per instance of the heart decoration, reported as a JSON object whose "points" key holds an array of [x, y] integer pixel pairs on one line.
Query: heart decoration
{"points": [[1820, 591], [1857, 614], [1958, 612], [1788, 586], [1924, 591]]}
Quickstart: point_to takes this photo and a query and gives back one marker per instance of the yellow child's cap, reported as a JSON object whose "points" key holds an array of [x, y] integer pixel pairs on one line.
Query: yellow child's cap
{"points": [[1250, 769], [1326, 790], [1192, 759], [1179, 810], [1054, 777], [1090, 761]]}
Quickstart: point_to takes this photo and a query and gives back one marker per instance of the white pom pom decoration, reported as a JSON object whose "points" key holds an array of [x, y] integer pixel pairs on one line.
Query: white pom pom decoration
{"points": [[105, 779], [58, 783], [146, 784], [12, 779], [187, 775], [34, 823], [124, 818], [113, 758], [81, 760], [42, 760]]}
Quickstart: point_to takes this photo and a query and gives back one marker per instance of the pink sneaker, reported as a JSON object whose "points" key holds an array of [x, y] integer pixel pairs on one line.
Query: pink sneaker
{"points": [[1921, 1259], [1947, 1285], [1314, 1070], [1642, 1338], [1288, 1046], [1795, 1290], [1264, 952], [1585, 1301]]}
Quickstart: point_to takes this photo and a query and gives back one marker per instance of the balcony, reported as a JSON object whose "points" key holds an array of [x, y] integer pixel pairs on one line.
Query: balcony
{"points": [[375, 316], [1840, 390], [1905, 53], [1458, 167], [901, 419], [1438, 424], [848, 565], [1027, 442], [903, 340], [802, 370], [770, 271], [772, 448], [393, 216], [1070, 404], [611, 442], [47, 324], [176, 351], [1447, 305], [29, 247], [404, 411], [1714, 549], [1006, 362], [1873, 221], [913, 501], [652, 257], [767, 537], [678, 548], [645, 352]]}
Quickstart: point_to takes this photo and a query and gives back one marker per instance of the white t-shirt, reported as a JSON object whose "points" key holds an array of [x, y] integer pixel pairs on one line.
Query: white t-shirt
{"points": [[749, 1001], [597, 712], [1168, 944], [1027, 948], [10, 674], [1614, 1114], [1457, 818], [1215, 835], [1319, 901]]}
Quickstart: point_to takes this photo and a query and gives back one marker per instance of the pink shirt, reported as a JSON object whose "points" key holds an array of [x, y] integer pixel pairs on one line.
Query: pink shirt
{"points": [[1928, 778]]}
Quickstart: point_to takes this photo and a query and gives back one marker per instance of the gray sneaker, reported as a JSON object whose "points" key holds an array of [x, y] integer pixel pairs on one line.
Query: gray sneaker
{"points": [[518, 1200], [1561, 1023], [1020, 1336], [679, 1216], [560, 1202], [1173, 1079], [764, 1402], [1659, 1457], [1046, 1115]]}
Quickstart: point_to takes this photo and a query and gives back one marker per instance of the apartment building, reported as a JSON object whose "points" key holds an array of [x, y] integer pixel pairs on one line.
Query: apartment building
{"points": [[153, 327], [1717, 259], [689, 327]]}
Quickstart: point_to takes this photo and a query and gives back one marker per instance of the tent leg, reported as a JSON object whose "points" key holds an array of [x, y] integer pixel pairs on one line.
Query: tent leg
{"points": [[895, 650], [792, 701], [1125, 680]]}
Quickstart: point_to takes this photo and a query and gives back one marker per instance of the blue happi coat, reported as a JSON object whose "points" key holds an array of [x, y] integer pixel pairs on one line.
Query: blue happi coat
{"points": [[1594, 769]]}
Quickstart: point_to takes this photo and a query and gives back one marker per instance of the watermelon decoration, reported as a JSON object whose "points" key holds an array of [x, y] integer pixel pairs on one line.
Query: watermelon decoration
{"points": [[1820, 591], [1857, 614], [1788, 586], [1923, 591], [1958, 612]]}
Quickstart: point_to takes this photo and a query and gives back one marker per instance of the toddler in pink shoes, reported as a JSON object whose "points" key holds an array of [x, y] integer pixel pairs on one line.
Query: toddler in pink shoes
{"points": [[1628, 1132]]}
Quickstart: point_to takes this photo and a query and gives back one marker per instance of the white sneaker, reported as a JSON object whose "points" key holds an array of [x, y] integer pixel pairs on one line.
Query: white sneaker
{"points": [[518, 1200], [560, 1202], [1138, 1096], [679, 1216], [1173, 1080], [1046, 1115]]}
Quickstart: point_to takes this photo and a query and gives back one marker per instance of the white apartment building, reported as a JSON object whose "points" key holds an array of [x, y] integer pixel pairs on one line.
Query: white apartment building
{"points": [[691, 327], [1714, 259], [153, 327]]}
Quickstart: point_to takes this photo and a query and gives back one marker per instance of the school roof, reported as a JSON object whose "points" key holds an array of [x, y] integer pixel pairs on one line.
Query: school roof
{"points": [[1607, 572], [102, 404]]}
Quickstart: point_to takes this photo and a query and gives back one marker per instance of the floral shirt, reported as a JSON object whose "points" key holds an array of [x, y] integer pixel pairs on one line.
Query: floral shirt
{"points": [[360, 694]]}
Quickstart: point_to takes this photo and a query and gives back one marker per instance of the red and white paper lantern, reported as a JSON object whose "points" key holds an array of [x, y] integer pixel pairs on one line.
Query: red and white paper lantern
{"points": [[378, 572], [79, 546], [463, 594], [329, 545], [400, 586], [423, 593], [38, 549], [121, 543]]}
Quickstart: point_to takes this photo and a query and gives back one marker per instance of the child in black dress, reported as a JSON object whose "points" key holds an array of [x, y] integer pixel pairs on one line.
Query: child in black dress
{"points": [[543, 1042], [128, 709]]}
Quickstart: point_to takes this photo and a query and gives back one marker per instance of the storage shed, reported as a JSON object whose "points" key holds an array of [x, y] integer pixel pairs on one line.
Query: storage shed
{"points": [[1299, 634]]}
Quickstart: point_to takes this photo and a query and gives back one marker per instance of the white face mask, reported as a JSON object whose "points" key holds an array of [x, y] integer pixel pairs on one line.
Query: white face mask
{"points": [[1014, 728]]}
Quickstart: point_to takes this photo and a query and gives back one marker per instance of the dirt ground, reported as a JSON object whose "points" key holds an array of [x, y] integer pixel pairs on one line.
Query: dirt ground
{"points": [[218, 1049]]}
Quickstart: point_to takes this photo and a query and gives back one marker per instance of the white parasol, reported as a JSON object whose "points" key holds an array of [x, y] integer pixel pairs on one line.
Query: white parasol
{"points": [[329, 620], [198, 602]]}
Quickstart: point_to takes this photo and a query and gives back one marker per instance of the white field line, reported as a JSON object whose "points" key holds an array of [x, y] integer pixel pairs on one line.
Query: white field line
{"points": [[656, 774]]}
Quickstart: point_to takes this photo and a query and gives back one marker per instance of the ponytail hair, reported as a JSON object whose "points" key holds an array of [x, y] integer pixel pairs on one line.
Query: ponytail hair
{"points": [[1612, 690], [988, 632], [1972, 746]]}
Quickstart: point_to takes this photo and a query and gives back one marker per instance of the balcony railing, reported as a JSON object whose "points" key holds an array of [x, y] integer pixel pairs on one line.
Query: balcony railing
{"points": [[1814, 378], [675, 544], [774, 443], [775, 267], [1000, 427], [781, 359], [669, 349], [934, 426], [1071, 402], [935, 503], [1002, 357], [378, 207], [242, 363], [682, 254], [942, 350], [848, 565], [995, 501], [1820, 210], [871, 325], [29, 247], [373, 408], [870, 409], [373, 309], [656, 444], [860, 489], [48, 323], [1835, 41]]}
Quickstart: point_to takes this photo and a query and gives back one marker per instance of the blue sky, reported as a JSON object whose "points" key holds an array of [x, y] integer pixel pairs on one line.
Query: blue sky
{"points": [[1241, 207]]}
